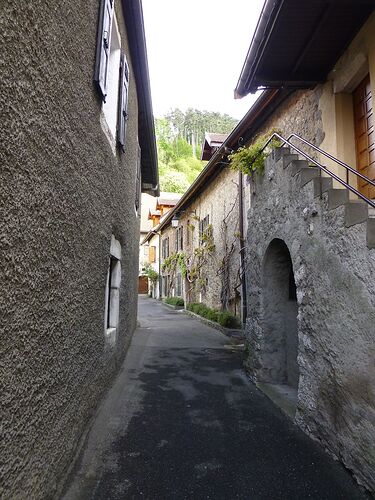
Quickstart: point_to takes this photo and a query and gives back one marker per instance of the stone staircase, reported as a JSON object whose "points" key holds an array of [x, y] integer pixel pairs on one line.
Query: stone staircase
{"points": [[301, 225], [356, 211]]}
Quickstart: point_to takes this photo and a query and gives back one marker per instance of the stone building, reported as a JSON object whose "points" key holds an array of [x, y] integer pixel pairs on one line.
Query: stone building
{"points": [[152, 211], [310, 246], [211, 205], [78, 146]]}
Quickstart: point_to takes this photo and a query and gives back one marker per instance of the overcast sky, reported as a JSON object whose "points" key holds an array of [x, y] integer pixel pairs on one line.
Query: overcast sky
{"points": [[196, 50]]}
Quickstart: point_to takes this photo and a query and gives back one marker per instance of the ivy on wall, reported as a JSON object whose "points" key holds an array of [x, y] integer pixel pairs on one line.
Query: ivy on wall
{"points": [[251, 160]]}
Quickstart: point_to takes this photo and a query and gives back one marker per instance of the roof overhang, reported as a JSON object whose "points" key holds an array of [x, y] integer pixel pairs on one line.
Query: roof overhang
{"points": [[296, 43], [133, 16], [211, 143]]}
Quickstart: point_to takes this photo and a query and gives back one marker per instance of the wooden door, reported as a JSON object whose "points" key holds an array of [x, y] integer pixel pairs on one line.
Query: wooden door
{"points": [[142, 284], [364, 136]]}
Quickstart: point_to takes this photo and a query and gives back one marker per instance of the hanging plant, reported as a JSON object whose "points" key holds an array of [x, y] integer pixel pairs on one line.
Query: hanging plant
{"points": [[251, 160]]}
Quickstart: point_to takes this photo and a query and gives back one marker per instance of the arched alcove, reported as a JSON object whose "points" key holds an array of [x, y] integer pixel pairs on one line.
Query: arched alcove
{"points": [[279, 317]]}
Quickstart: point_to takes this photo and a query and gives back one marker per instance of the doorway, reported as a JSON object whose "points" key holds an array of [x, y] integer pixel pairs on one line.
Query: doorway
{"points": [[279, 320]]}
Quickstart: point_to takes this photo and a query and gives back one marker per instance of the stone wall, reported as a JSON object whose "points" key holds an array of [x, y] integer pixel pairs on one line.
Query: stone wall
{"points": [[335, 290], [63, 194], [219, 200]]}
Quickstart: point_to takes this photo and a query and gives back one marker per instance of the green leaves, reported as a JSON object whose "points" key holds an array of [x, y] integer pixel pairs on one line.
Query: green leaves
{"points": [[179, 139], [252, 159], [152, 275]]}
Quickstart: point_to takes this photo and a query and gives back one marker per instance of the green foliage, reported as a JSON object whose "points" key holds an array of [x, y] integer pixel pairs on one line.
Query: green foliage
{"points": [[251, 160], [174, 182], [175, 301], [152, 275], [179, 140], [228, 320], [181, 262], [224, 318], [212, 315]]}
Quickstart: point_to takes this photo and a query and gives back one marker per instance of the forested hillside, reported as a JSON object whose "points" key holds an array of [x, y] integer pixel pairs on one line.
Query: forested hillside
{"points": [[179, 138]]}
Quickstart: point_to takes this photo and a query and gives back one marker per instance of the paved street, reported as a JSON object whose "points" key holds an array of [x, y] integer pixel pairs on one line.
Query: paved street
{"points": [[183, 422]]}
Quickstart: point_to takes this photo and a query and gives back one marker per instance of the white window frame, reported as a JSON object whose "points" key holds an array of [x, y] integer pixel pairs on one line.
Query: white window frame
{"points": [[112, 293]]}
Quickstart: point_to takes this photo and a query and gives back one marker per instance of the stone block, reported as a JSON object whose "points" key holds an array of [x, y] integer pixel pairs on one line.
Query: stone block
{"points": [[370, 233], [297, 165], [321, 185], [307, 174], [280, 152], [288, 159], [355, 212], [337, 197]]}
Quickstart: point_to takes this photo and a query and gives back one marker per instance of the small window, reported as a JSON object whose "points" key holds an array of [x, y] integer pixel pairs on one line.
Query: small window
{"points": [[152, 254], [112, 293], [179, 239], [165, 286], [165, 248], [179, 285], [203, 225]]}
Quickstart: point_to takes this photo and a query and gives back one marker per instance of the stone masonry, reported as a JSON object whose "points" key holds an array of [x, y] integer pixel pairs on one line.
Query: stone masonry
{"points": [[333, 270], [219, 200]]}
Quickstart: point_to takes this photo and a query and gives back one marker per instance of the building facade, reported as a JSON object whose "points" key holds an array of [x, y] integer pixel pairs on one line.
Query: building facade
{"points": [[200, 240], [311, 225], [78, 146]]}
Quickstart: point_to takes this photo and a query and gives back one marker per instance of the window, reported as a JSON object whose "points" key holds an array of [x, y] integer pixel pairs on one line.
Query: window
{"points": [[203, 225], [165, 248], [179, 239], [111, 76], [165, 283], [152, 254], [112, 293], [179, 285]]}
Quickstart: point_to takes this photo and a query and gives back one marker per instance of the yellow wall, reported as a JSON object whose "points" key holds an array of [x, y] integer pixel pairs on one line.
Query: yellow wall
{"points": [[336, 102]]}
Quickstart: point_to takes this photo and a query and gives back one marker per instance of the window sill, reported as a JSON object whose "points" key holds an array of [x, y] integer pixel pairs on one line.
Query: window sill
{"points": [[110, 337], [108, 133]]}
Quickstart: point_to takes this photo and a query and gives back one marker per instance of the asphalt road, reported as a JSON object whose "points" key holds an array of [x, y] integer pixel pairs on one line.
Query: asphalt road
{"points": [[182, 421]]}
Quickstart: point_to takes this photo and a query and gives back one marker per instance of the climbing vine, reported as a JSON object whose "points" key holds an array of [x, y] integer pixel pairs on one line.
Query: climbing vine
{"points": [[251, 160]]}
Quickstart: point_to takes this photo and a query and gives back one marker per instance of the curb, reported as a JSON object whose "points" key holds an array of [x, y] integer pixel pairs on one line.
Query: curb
{"points": [[176, 308], [232, 333]]}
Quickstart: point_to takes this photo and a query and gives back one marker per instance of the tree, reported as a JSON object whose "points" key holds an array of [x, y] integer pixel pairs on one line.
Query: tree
{"points": [[179, 139]]}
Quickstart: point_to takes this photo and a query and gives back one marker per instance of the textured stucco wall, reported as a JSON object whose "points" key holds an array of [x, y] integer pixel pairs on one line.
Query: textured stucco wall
{"points": [[62, 194], [334, 273], [219, 200]]}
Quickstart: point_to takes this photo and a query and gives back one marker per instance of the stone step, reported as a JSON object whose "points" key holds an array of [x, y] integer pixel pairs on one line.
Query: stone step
{"points": [[356, 211], [370, 232], [307, 174], [337, 197], [321, 185], [297, 165], [288, 159], [278, 153]]}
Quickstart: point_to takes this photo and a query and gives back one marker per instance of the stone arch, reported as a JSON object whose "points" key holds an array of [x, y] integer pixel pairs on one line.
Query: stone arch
{"points": [[279, 317]]}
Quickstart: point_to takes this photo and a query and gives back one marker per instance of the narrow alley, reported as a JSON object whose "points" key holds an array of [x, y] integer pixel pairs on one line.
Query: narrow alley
{"points": [[182, 421]]}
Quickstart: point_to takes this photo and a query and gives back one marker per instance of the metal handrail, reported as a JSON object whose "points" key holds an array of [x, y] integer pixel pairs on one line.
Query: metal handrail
{"points": [[322, 167]]}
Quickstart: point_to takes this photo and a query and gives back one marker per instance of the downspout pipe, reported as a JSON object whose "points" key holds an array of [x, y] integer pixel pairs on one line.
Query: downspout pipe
{"points": [[160, 276], [242, 247]]}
